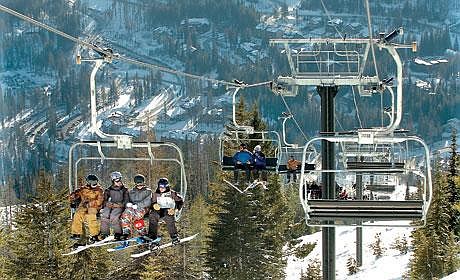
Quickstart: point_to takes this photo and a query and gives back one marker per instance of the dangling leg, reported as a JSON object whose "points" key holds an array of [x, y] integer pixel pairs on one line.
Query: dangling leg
{"points": [[105, 222], [93, 224], [172, 230], [115, 222], [77, 223], [235, 174], [126, 220], [247, 170], [154, 218]]}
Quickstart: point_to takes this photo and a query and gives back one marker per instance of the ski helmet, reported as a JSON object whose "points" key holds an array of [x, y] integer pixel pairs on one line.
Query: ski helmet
{"points": [[257, 148], [92, 179], [115, 176], [163, 183], [139, 179]]}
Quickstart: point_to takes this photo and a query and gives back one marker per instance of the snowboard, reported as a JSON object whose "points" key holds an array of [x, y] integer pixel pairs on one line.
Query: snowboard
{"points": [[105, 241], [146, 252], [126, 245]]}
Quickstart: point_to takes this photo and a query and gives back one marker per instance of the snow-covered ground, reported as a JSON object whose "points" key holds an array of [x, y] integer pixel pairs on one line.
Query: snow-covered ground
{"points": [[392, 265]]}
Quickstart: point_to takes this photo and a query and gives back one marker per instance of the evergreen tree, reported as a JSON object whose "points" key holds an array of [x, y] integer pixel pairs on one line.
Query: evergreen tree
{"points": [[376, 246], [435, 252], [401, 244], [454, 187], [352, 266], [313, 271], [247, 221], [40, 237]]}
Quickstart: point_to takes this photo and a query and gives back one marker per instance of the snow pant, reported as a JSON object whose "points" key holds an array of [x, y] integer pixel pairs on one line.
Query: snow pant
{"points": [[246, 168], [154, 219], [289, 172], [111, 217], [258, 171], [129, 217], [87, 215]]}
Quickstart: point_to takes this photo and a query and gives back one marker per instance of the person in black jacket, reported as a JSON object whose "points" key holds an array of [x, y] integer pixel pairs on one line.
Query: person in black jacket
{"points": [[140, 199], [165, 203], [115, 199]]}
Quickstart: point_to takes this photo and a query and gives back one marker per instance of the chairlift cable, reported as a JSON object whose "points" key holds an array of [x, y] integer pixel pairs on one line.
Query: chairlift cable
{"points": [[121, 58], [369, 25], [330, 18]]}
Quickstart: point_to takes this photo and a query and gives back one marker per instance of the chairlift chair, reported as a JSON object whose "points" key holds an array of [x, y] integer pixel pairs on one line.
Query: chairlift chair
{"points": [[230, 140], [236, 134], [293, 149], [360, 212], [152, 149]]}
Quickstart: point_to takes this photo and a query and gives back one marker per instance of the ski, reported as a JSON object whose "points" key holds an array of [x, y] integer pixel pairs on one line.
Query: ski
{"points": [[125, 245], [250, 186], [138, 255], [95, 244]]}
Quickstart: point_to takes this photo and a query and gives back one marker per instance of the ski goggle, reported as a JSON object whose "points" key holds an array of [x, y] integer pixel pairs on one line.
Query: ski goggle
{"points": [[92, 182], [117, 180], [162, 186]]}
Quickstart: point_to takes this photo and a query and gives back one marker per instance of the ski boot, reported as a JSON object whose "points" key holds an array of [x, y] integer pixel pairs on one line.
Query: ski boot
{"points": [[154, 243], [175, 239], [75, 237], [118, 237], [93, 239], [143, 239], [76, 245]]}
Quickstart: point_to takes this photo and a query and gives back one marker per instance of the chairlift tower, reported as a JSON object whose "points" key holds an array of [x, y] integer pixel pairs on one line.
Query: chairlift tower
{"points": [[328, 64]]}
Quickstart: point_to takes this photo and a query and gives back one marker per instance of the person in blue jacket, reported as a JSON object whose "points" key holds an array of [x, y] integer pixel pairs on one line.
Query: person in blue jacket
{"points": [[242, 159], [260, 163]]}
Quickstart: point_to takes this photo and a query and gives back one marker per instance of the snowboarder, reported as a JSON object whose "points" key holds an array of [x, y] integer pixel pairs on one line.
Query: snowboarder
{"points": [[165, 204], [115, 199], [260, 163], [140, 199], [87, 200], [243, 160]]}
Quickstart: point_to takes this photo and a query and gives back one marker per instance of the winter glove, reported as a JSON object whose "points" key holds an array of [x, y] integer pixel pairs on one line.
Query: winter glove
{"points": [[171, 211], [238, 162], [134, 206], [129, 204], [74, 204], [156, 206]]}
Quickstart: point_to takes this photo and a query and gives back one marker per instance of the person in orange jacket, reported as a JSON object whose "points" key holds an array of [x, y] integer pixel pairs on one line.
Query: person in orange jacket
{"points": [[87, 200]]}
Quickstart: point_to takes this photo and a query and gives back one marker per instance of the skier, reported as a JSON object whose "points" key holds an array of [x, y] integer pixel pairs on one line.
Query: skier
{"points": [[165, 204], [260, 163], [243, 160], [140, 199], [115, 199], [87, 200]]}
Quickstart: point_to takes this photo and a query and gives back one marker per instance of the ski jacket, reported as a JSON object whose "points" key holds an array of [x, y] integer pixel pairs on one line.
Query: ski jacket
{"points": [[292, 164], [244, 157], [116, 197], [259, 160], [142, 197], [168, 199], [88, 196]]}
